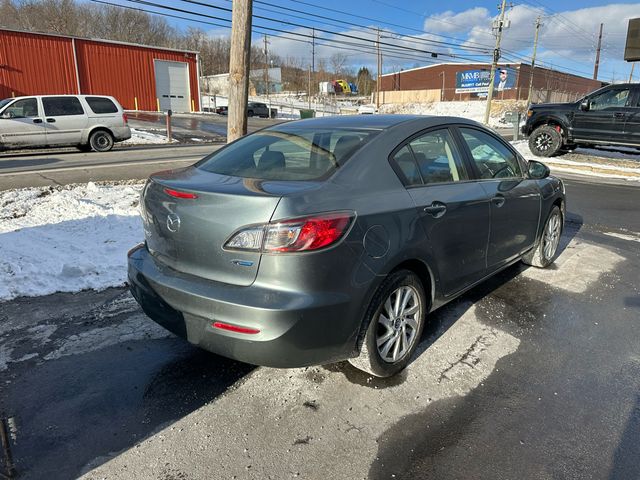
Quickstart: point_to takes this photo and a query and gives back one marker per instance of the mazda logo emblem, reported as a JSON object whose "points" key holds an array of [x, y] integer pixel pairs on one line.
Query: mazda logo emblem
{"points": [[173, 222]]}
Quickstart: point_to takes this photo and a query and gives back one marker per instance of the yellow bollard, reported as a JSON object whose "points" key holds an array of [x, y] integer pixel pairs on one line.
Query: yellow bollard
{"points": [[158, 103], [135, 100], [193, 105], [13, 94]]}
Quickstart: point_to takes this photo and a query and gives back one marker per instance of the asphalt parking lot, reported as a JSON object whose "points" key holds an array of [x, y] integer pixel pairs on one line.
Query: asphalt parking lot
{"points": [[533, 374]]}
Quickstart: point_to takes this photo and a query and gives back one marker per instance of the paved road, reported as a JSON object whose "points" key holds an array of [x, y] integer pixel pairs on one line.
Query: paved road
{"points": [[535, 374], [70, 166]]}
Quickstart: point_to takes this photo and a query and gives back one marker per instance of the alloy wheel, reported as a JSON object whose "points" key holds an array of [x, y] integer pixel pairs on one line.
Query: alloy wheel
{"points": [[552, 236], [543, 142], [398, 324]]}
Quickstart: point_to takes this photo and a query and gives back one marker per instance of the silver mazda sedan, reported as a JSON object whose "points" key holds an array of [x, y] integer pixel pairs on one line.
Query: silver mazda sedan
{"points": [[334, 238]]}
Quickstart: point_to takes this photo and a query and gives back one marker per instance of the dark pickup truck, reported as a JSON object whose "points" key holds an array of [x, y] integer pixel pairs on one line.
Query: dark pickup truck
{"points": [[608, 116]]}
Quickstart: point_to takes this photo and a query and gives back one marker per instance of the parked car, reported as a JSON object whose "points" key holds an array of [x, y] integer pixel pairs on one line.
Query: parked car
{"points": [[334, 238], [369, 109], [609, 116], [90, 122], [257, 109], [222, 110]]}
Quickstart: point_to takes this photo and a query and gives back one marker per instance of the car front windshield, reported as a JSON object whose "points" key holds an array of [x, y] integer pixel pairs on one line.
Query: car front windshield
{"points": [[287, 154]]}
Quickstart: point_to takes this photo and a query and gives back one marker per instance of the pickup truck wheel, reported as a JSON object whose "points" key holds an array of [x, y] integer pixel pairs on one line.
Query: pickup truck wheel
{"points": [[545, 141]]}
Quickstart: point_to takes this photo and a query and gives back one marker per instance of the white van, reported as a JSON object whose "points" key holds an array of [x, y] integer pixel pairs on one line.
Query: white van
{"points": [[90, 122]]}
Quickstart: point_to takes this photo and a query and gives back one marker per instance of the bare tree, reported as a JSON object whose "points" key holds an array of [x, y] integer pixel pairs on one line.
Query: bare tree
{"points": [[338, 61]]}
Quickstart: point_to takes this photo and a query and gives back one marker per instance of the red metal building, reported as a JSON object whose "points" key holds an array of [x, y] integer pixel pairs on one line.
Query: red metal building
{"points": [[139, 77]]}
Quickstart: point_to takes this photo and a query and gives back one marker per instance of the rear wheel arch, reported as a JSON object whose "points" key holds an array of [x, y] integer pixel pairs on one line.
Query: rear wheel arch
{"points": [[424, 273]]}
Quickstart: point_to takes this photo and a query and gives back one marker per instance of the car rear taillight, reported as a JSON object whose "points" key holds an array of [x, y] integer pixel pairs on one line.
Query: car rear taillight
{"points": [[125, 119], [296, 235]]}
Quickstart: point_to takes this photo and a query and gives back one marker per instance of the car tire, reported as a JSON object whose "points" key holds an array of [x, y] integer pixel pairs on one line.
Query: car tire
{"points": [[546, 249], [250, 113], [101, 141], [389, 343], [545, 141]]}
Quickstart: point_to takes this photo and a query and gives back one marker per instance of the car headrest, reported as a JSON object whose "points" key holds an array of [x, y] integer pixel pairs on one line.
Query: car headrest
{"points": [[345, 146], [271, 160]]}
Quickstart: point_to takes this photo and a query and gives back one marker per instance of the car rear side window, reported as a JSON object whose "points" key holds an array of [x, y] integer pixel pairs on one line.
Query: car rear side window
{"points": [[437, 158], [101, 105], [492, 157], [286, 155], [62, 106]]}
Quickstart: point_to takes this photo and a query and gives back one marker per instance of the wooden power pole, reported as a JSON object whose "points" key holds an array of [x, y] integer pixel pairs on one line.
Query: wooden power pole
{"points": [[494, 64], [239, 65], [533, 60], [597, 65], [379, 79]]}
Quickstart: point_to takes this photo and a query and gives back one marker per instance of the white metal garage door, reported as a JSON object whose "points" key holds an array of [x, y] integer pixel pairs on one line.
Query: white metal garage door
{"points": [[172, 86]]}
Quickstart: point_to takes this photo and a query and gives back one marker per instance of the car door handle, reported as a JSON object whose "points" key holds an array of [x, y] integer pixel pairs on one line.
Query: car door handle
{"points": [[37, 120], [51, 120], [436, 209], [619, 115], [498, 200]]}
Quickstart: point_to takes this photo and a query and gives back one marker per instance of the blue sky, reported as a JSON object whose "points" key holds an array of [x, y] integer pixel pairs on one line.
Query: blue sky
{"points": [[456, 30]]}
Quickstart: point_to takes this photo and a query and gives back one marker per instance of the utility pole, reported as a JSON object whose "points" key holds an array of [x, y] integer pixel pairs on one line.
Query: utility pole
{"points": [[379, 72], [239, 64], [313, 59], [595, 68], [633, 65], [266, 73], [494, 64], [533, 60], [309, 89]]}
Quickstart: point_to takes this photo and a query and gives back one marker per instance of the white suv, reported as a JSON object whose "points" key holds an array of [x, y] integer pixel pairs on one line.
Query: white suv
{"points": [[86, 121]]}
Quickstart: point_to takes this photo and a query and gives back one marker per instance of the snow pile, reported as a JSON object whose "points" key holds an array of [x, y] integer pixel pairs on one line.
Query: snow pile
{"points": [[605, 164], [67, 238], [473, 110], [143, 137]]}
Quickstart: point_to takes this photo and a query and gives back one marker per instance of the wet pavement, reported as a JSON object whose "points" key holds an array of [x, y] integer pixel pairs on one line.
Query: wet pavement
{"points": [[194, 127], [533, 374]]}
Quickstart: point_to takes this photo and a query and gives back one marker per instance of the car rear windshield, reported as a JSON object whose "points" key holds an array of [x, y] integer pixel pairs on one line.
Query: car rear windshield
{"points": [[287, 155], [101, 105]]}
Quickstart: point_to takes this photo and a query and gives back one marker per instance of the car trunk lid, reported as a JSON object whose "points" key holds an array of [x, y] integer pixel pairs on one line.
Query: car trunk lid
{"points": [[188, 234]]}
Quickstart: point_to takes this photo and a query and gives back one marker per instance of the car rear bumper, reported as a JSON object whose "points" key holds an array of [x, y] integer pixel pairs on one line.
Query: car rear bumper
{"points": [[296, 328], [121, 133]]}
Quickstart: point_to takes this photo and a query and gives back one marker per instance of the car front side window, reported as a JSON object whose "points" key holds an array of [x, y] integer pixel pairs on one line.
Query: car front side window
{"points": [[610, 99], [493, 159], [25, 108]]}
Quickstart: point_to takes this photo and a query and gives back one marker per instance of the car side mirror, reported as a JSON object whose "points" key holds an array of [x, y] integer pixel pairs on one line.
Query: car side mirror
{"points": [[584, 106], [538, 170], [5, 115]]}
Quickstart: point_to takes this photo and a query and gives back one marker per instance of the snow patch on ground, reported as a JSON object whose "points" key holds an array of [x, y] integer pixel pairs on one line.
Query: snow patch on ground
{"points": [[66, 239], [145, 137], [136, 327]]}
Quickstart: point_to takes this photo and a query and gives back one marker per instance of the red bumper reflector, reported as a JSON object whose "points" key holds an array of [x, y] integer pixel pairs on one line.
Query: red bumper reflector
{"points": [[235, 328], [177, 194]]}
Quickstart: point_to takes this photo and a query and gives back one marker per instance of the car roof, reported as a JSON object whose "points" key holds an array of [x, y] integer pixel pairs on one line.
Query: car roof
{"points": [[62, 95], [372, 122]]}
